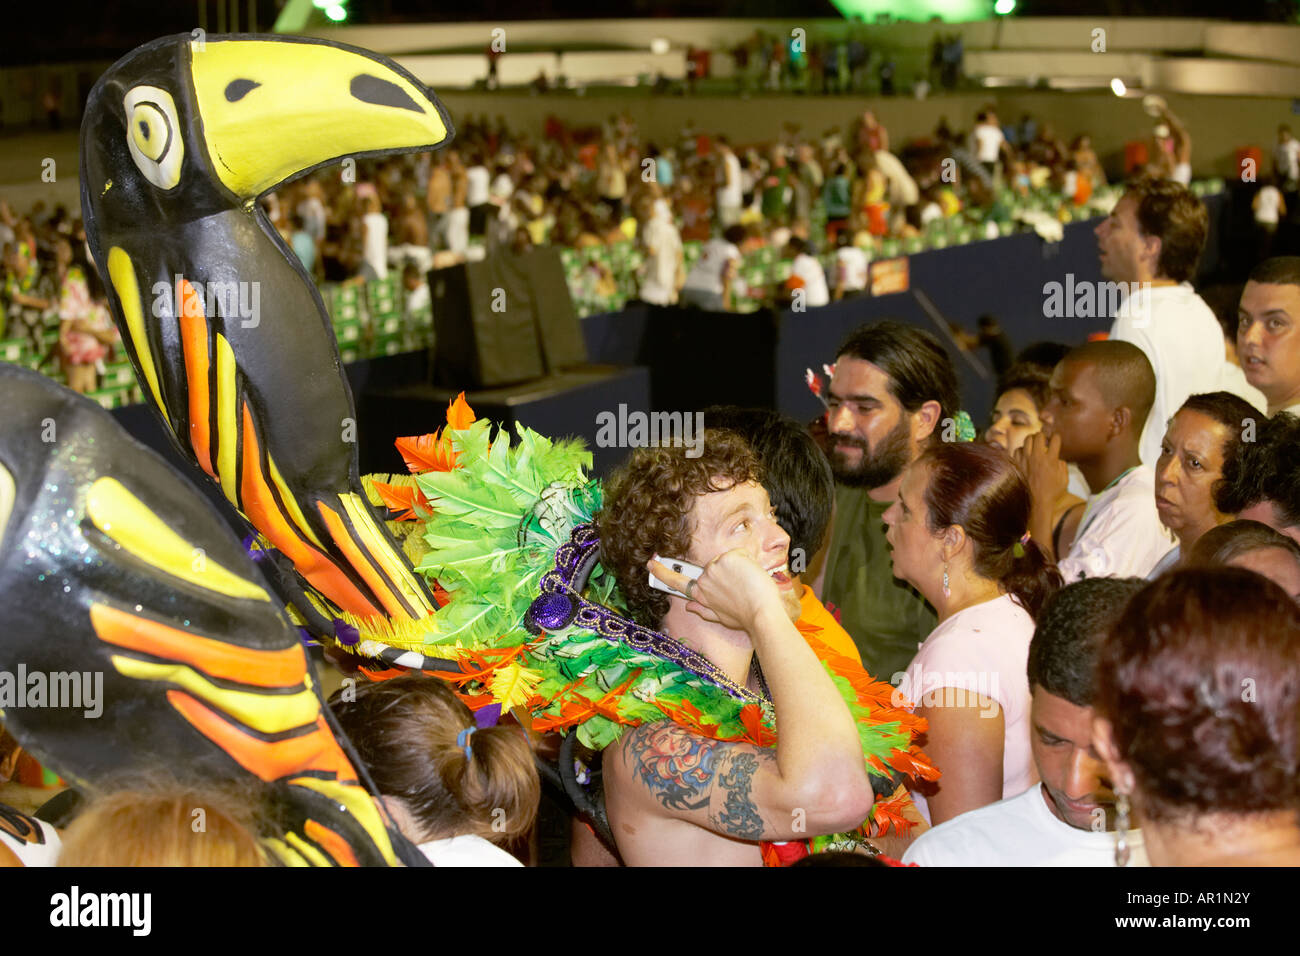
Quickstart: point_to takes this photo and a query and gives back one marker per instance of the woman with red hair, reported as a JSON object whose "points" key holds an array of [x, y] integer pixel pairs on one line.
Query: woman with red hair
{"points": [[1198, 720]]}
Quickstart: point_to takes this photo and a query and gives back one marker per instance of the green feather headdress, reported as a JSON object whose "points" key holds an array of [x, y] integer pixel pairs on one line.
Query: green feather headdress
{"points": [[485, 518]]}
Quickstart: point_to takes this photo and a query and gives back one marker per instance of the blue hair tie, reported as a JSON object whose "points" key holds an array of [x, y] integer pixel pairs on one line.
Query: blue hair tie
{"points": [[462, 740]]}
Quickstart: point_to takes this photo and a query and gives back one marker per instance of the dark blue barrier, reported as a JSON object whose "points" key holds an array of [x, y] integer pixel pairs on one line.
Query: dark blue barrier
{"points": [[1005, 277]]}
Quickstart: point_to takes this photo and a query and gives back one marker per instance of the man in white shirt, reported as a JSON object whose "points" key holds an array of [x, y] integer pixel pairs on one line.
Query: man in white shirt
{"points": [[987, 141], [852, 266], [478, 195], [806, 287], [1286, 159], [710, 284], [1268, 339], [375, 244], [1268, 205], [1068, 818], [661, 245], [730, 192], [1101, 395], [1152, 241]]}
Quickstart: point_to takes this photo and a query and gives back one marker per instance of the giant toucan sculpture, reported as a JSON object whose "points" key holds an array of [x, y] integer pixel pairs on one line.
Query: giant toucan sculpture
{"points": [[180, 139], [137, 634]]}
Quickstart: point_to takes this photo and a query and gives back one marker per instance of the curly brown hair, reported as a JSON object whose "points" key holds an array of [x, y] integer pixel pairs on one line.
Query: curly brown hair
{"points": [[648, 505]]}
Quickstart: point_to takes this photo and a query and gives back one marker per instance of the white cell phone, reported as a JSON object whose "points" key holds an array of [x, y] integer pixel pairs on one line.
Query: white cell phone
{"points": [[692, 571]]}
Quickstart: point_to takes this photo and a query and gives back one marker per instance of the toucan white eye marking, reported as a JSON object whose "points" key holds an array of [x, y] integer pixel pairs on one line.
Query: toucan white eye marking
{"points": [[153, 135]]}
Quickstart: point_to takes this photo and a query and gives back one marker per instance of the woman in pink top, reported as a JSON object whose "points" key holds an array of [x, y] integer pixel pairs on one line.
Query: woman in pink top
{"points": [[959, 536]]}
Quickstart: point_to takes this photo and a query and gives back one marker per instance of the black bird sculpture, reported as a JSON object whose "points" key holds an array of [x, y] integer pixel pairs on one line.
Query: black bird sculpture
{"points": [[137, 634], [228, 334]]}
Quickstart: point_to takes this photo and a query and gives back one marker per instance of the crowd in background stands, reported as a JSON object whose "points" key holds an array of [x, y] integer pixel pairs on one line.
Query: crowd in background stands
{"points": [[684, 216], [847, 64], [799, 195]]}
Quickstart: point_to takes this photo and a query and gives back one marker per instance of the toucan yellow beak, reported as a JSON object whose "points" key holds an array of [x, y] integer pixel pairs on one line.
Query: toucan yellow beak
{"points": [[271, 109]]}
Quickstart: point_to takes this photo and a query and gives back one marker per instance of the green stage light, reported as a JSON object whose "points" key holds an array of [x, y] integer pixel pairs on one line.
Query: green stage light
{"points": [[1003, 7], [917, 11], [336, 13]]}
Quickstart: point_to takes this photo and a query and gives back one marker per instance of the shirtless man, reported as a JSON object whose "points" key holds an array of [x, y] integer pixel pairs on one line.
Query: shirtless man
{"points": [[674, 797]]}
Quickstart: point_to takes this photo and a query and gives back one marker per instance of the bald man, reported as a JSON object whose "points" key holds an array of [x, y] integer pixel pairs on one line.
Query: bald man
{"points": [[1102, 393]]}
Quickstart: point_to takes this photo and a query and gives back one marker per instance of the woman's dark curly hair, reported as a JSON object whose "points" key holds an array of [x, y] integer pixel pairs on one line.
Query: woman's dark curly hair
{"points": [[1233, 413], [1200, 680], [1034, 380], [647, 511]]}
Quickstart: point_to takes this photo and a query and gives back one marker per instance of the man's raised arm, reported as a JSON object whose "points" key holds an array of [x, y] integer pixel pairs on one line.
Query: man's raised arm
{"points": [[815, 782]]}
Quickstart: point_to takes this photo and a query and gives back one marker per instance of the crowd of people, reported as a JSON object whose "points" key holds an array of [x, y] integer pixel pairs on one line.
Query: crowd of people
{"points": [[827, 65], [793, 62], [1075, 581], [52, 298], [1094, 605]]}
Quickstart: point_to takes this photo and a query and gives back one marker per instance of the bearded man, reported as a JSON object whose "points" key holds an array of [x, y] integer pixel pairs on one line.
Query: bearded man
{"points": [[893, 388]]}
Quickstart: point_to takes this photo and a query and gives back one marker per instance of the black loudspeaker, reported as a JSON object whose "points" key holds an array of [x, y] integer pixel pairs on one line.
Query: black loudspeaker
{"points": [[698, 358], [504, 320], [558, 326]]}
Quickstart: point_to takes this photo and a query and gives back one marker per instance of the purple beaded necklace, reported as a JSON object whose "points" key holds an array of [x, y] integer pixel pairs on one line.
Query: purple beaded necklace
{"points": [[561, 605]]}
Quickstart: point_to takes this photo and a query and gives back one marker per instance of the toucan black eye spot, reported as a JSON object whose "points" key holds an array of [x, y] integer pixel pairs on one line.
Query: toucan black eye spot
{"points": [[144, 129], [236, 90], [372, 89]]}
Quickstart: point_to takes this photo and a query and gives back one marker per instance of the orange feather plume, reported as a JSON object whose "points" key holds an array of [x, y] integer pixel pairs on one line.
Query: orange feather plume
{"points": [[408, 501], [434, 452]]}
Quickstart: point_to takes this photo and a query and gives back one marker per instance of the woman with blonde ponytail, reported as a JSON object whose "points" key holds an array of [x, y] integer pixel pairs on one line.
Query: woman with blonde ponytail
{"points": [[454, 789]]}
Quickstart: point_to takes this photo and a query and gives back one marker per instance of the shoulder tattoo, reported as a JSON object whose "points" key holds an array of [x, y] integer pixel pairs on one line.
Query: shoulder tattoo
{"points": [[684, 771]]}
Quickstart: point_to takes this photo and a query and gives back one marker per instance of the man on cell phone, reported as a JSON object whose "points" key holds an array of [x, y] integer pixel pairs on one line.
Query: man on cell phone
{"points": [[674, 797]]}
